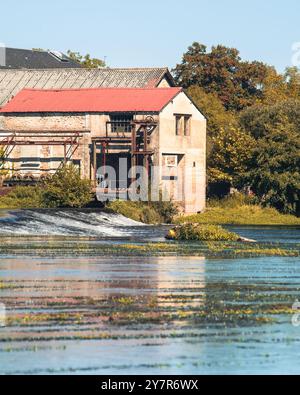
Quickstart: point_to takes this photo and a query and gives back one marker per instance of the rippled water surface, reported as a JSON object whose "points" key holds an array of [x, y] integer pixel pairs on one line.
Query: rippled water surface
{"points": [[146, 315]]}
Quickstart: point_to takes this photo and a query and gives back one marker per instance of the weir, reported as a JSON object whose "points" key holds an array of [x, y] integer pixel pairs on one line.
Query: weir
{"points": [[82, 223]]}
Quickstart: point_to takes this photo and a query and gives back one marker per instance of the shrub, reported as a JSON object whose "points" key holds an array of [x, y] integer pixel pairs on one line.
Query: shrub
{"points": [[23, 197], [167, 210], [137, 211], [63, 189], [148, 213], [66, 189], [201, 233], [233, 201]]}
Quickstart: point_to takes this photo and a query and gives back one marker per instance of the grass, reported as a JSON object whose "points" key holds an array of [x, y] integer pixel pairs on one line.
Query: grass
{"points": [[234, 210], [148, 213], [137, 211], [239, 211]]}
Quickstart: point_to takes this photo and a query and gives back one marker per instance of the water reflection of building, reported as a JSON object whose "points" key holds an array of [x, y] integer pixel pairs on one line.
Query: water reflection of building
{"points": [[182, 276]]}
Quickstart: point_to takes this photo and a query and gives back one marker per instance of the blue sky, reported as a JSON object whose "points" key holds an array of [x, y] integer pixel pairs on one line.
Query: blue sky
{"points": [[153, 33]]}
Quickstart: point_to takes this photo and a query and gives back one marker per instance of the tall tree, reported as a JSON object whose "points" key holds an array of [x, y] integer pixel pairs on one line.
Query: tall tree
{"points": [[274, 168], [218, 119], [231, 151], [260, 120], [237, 83], [213, 109]]}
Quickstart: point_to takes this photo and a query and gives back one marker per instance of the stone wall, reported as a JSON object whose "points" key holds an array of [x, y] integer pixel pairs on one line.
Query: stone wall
{"points": [[44, 159], [190, 151]]}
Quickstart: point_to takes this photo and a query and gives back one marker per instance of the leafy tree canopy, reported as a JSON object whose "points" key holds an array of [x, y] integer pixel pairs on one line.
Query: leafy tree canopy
{"points": [[231, 151], [212, 108], [274, 168], [237, 83], [86, 60], [253, 116], [260, 120]]}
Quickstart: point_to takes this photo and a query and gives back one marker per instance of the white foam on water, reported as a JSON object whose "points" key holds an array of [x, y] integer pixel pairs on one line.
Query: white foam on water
{"points": [[116, 219], [67, 223]]}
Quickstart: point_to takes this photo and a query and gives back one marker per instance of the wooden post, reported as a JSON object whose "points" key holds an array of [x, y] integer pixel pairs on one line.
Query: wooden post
{"points": [[95, 161], [146, 156], [133, 153], [65, 153]]}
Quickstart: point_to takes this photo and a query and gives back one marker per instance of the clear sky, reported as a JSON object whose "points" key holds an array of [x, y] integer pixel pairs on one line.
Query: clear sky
{"points": [[132, 33]]}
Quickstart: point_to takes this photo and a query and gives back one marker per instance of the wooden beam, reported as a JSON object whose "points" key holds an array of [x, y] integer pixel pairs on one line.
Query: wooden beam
{"points": [[95, 161]]}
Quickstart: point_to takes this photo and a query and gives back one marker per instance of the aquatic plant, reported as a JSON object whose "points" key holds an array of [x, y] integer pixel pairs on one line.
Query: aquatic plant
{"points": [[202, 233], [125, 301], [198, 248]]}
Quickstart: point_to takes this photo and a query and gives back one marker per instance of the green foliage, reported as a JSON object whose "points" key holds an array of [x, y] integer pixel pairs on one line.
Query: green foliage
{"points": [[229, 146], [238, 84], [259, 146], [201, 233], [167, 210], [274, 169], [260, 120], [231, 151], [235, 200], [3, 172], [148, 213], [137, 211], [278, 88], [66, 189], [86, 61], [23, 197], [213, 109], [230, 212], [2, 157], [63, 189]]}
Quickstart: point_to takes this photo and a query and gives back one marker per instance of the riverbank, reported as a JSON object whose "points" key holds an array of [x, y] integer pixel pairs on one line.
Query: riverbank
{"points": [[224, 212], [242, 215]]}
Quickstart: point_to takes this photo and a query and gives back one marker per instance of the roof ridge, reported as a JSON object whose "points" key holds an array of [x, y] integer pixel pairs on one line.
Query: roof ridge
{"points": [[86, 69], [30, 50], [101, 88]]}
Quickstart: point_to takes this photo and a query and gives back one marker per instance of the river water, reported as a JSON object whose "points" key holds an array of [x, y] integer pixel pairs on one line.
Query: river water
{"points": [[114, 314]]}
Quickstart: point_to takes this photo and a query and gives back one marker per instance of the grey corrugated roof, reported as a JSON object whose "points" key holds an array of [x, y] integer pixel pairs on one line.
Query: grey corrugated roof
{"points": [[34, 59], [13, 81]]}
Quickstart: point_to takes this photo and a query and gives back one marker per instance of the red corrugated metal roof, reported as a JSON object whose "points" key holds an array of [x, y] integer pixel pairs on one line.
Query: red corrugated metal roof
{"points": [[91, 100]]}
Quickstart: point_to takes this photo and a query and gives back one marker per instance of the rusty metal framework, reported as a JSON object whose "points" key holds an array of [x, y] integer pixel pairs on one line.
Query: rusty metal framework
{"points": [[135, 134], [69, 139]]}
